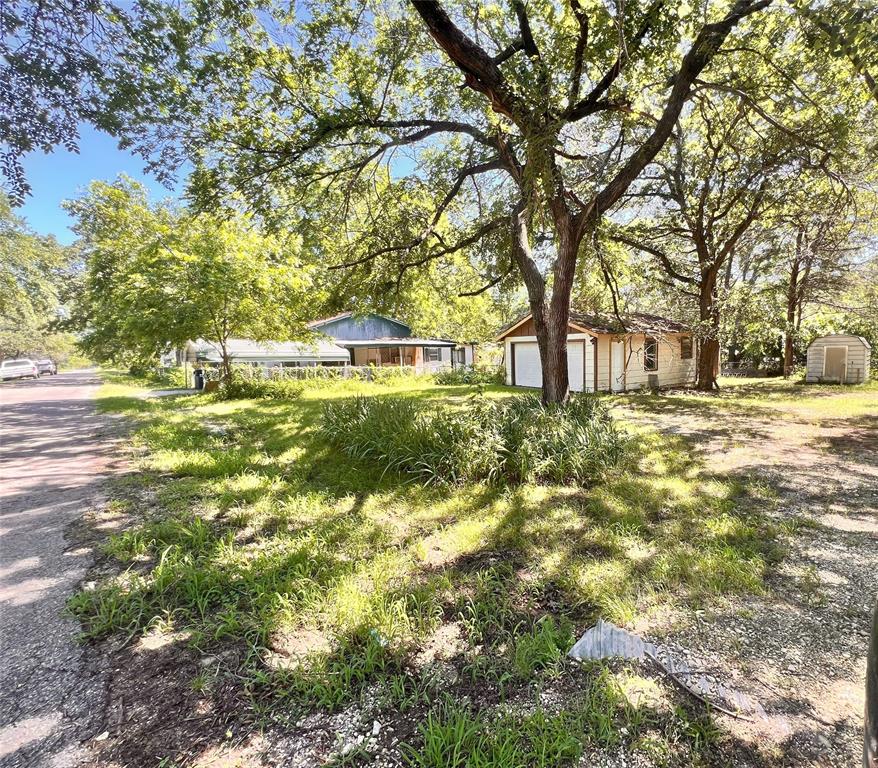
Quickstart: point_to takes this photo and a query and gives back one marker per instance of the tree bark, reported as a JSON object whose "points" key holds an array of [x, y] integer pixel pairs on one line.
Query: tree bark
{"points": [[550, 316], [226, 363], [792, 306], [709, 346]]}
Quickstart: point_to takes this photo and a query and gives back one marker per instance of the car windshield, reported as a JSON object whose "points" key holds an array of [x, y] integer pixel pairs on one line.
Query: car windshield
{"points": [[10, 363]]}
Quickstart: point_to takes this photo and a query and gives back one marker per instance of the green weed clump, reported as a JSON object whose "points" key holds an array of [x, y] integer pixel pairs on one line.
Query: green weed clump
{"points": [[454, 735], [266, 389], [515, 440], [470, 374]]}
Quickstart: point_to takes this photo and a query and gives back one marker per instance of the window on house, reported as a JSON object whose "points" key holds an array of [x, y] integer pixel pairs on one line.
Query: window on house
{"points": [[685, 347], [650, 354], [432, 355], [460, 355]]}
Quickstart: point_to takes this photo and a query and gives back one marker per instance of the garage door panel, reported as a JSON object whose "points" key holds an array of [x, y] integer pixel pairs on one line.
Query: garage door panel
{"points": [[575, 365], [527, 365]]}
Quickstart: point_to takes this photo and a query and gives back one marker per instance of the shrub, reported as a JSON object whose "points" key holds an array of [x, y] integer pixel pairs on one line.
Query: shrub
{"points": [[514, 440], [252, 382], [390, 374], [470, 374], [249, 382]]}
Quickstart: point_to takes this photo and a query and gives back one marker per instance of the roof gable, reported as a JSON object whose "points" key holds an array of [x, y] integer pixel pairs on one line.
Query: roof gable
{"points": [[355, 327]]}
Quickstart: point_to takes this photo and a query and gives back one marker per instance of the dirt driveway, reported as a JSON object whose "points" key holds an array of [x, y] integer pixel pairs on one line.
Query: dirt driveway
{"points": [[801, 648], [53, 454]]}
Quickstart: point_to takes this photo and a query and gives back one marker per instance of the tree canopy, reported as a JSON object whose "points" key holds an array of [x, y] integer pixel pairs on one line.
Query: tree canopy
{"points": [[157, 276], [32, 272], [480, 146]]}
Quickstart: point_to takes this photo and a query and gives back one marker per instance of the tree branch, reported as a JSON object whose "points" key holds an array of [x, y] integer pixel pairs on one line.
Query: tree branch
{"points": [[578, 52], [587, 105], [659, 254], [488, 286], [703, 49], [509, 51], [481, 72]]}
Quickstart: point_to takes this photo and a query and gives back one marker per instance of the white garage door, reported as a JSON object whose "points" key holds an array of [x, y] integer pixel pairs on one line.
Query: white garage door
{"points": [[527, 365], [580, 373], [575, 364]]}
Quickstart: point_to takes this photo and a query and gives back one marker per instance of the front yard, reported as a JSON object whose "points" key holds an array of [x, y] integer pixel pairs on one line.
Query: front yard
{"points": [[266, 599]]}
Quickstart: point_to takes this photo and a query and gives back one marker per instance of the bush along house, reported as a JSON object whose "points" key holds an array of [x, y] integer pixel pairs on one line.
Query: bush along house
{"points": [[643, 351]]}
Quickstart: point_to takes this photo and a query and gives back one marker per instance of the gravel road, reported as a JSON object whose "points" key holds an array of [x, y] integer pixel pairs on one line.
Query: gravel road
{"points": [[54, 453]]}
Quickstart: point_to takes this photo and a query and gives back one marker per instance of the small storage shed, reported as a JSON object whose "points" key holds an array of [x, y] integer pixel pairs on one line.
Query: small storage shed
{"points": [[838, 358]]}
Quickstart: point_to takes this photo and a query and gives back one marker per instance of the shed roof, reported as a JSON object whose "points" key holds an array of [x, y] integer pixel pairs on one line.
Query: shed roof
{"points": [[865, 343], [631, 322]]}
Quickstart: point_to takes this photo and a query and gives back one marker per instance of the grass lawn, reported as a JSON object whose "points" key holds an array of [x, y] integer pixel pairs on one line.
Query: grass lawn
{"points": [[777, 398], [313, 583]]}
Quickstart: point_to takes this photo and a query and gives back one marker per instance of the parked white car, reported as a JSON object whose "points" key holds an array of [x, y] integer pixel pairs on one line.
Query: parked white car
{"points": [[22, 368]]}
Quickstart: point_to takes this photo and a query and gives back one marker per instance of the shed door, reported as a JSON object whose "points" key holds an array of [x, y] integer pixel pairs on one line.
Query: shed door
{"points": [[575, 365], [527, 365], [835, 362]]}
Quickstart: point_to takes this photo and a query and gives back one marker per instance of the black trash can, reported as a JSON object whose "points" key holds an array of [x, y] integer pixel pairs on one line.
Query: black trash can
{"points": [[199, 378]]}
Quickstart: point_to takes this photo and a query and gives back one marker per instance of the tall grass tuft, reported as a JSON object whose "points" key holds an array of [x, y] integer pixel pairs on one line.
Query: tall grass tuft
{"points": [[499, 441]]}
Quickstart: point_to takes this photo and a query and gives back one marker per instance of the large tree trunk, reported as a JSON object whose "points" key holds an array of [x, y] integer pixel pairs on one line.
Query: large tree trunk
{"points": [[709, 346], [792, 306], [550, 316], [551, 329]]}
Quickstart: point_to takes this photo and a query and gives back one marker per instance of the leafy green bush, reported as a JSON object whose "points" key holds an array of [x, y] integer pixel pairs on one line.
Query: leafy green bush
{"points": [[389, 374], [513, 440], [470, 374], [251, 382]]}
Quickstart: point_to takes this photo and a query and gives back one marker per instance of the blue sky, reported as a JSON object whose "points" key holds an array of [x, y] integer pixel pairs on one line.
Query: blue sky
{"points": [[63, 175]]}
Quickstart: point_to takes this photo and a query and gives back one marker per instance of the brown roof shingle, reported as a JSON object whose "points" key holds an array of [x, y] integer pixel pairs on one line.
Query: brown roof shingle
{"points": [[632, 322]]}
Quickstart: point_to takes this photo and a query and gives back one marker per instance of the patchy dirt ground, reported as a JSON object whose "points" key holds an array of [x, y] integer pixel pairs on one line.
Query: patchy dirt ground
{"points": [[801, 648]]}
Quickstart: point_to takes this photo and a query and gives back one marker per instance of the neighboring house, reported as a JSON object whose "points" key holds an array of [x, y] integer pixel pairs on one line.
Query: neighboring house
{"points": [[650, 351], [342, 340], [840, 358], [373, 339], [269, 354]]}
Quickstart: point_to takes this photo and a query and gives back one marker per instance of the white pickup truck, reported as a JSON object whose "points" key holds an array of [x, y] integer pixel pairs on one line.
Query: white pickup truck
{"points": [[18, 369]]}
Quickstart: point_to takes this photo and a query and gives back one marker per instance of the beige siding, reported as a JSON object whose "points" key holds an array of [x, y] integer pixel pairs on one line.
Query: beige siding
{"points": [[672, 371], [857, 358], [603, 360]]}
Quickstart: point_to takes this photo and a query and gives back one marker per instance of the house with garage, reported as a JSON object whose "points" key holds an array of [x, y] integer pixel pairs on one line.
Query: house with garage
{"points": [[342, 340], [838, 358], [604, 354]]}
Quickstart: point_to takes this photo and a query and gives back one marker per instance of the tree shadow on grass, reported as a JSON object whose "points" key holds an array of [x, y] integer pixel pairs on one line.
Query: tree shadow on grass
{"points": [[858, 440], [310, 531]]}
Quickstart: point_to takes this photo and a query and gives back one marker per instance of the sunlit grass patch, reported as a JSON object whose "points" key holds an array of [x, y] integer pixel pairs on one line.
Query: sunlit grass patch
{"points": [[775, 399], [334, 575]]}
